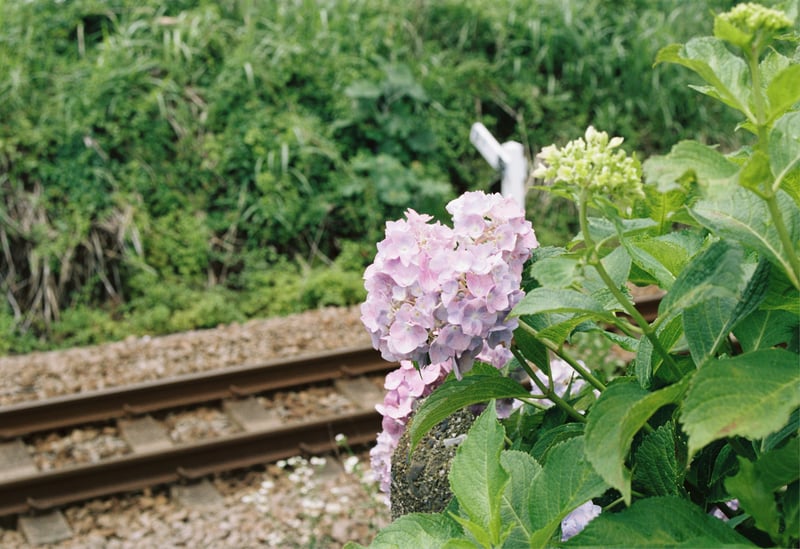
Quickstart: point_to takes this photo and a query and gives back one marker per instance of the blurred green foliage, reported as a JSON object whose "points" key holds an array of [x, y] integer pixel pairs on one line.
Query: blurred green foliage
{"points": [[175, 165]]}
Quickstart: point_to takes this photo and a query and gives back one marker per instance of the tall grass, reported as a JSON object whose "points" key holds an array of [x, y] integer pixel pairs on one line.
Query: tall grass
{"points": [[194, 144]]}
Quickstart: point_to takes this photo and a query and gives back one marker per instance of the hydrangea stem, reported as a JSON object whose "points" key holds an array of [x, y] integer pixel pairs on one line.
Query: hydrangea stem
{"points": [[569, 359], [547, 391], [594, 260], [786, 240], [769, 196]]}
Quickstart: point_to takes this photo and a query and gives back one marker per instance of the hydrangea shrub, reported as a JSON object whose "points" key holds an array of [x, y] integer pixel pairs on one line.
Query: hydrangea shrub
{"points": [[695, 443]]}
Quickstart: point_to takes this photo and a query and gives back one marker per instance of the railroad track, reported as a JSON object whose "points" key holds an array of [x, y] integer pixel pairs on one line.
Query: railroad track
{"points": [[154, 460], [264, 437]]}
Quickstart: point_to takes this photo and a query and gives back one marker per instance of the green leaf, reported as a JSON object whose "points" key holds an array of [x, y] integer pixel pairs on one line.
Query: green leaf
{"points": [[755, 498], [648, 263], [699, 162], [553, 437], [618, 266], [556, 272], [547, 300], [664, 256], [602, 229], [708, 323], [648, 362], [784, 152], [519, 495], [566, 481], [662, 206], [764, 329], [750, 395], [657, 471], [658, 522], [414, 530], [455, 394], [790, 503], [478, 480], [620, 412], [715, 272], [710, 58], [741, 216], [783, 92], [779, 466], [531, 348], [756, 175]]}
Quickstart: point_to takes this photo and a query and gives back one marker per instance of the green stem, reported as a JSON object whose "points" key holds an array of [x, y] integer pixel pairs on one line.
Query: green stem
{"points": [[568, 358], [546, 391], [758, 99], [786, 240], [594, 260]]}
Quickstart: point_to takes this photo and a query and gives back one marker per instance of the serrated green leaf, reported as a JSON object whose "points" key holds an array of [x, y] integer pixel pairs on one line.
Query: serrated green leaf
{"points": [[620, 412], [553, 437], [414, 530], [657, 471], [783, 92], [602, 229], [715, 272], [518, 496], [780, 466], [560, 332], [701, 163], [662, 206], [754, 497], [751, 395], [764, 329], [710, 58], [553, 327], [647, 262], [741, 216], [566, 481], [790, 503], [556, 272], [673, 250], [708, 323], [658, 522], [546, 300], [777, 438], [455, 394], [478, 480]]}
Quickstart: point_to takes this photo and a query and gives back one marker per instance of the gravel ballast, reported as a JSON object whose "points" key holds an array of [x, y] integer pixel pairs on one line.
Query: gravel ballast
{"points": [[298, 503]]}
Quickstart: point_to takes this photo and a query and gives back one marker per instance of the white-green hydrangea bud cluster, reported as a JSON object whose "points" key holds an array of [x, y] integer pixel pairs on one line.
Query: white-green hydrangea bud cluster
{"points": [[592, 163], [751, 18], [749, 23]]}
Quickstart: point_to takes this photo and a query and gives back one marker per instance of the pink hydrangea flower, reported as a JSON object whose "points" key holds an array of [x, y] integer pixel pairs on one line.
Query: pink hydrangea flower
{"points": [[439, 296], [436, 293]]}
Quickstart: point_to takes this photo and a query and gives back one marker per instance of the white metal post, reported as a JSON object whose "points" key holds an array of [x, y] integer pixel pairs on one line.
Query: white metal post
{"points": [[508, 158]]}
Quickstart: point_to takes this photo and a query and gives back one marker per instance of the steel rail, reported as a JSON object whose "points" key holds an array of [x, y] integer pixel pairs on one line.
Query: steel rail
{"points": [[191, 389], [49, 489], [46, 490]]}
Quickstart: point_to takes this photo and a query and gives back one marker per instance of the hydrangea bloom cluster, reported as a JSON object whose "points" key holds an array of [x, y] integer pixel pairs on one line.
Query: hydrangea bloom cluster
{"points": [[577, 520], [565, 382], [592, 163], [439, 296], [749, 22], [436, 293]]}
